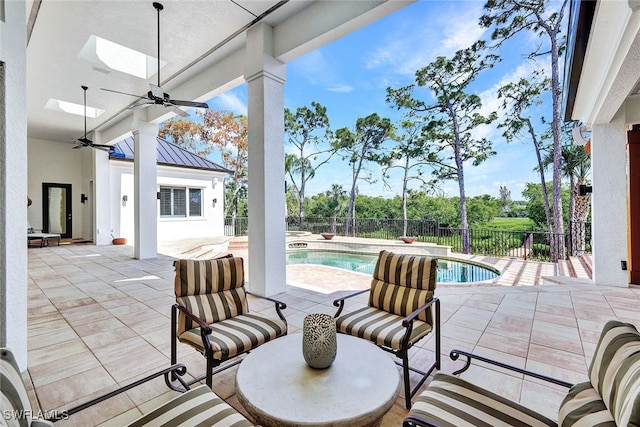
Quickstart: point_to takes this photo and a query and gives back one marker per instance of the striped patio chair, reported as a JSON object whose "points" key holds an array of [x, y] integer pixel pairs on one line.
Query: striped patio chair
{"points": [[197, 407], [212, 315], [611, 397], [399, 312]]}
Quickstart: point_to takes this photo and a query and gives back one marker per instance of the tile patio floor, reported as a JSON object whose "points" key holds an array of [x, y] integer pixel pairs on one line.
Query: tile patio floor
{"points": [[97, 319]]}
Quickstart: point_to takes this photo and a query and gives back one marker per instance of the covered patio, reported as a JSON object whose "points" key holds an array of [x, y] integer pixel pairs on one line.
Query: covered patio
{"points": [[97, 319]]}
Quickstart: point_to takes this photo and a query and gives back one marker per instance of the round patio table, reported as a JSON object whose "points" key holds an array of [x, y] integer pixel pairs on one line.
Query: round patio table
{"points": [[277, 387]]}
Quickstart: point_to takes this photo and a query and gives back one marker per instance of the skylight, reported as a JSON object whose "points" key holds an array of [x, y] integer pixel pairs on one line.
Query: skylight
{"points": [[71, 108], [105, 53]]}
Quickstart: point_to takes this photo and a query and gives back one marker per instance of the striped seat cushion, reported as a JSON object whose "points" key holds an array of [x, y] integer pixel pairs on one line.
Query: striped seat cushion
{"points": [[13, 394], [237, 335], [379, 326], [403, 283], [453, 402], [211, 289], [197, 407], [615, 371], [583, 407]]}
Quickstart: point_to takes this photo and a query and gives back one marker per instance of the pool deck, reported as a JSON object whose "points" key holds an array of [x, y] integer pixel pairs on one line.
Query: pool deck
{"points": [[98, 318]]}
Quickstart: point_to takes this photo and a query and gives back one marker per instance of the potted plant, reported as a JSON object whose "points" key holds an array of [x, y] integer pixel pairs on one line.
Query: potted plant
{"points": [[118, 240], [408, 239]]}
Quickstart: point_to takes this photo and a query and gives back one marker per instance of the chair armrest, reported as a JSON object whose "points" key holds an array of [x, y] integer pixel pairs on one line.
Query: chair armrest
{"points": [[407, 320], [339, 302], [278, 304], [178, 369], [203, 325], [457, 353], [415, 421]]}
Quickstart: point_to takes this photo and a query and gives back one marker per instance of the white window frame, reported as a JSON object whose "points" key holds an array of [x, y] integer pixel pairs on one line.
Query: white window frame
{"points": [[187, 208]]}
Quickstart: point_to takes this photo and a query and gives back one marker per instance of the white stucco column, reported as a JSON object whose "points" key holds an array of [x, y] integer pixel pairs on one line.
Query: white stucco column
{"points": [[265, 78], [101, 195], [609, 201], [13, 171], [145, 188]]}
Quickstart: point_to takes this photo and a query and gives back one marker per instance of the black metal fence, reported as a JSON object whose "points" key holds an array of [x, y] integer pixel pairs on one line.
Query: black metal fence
{"points": [[534, 245]]}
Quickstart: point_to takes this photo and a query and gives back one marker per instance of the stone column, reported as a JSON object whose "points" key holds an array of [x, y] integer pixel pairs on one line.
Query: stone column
{"points": [[265, 78], [145, 188]]}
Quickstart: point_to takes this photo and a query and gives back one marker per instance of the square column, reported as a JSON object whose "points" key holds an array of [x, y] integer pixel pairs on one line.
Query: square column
{"points": [[265, 78], [609, 202], [145, 188], [13, 191], [102, 187]]}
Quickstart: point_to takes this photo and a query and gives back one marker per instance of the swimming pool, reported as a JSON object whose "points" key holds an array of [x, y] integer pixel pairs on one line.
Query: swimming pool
{"points": [[449, 271]]}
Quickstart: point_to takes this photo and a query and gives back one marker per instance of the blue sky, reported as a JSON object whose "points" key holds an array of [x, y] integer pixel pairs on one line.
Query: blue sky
{"points": [[350, 76]]}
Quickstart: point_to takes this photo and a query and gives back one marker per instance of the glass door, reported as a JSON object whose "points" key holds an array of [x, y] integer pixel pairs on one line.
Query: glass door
{"points": [[56, 209]]}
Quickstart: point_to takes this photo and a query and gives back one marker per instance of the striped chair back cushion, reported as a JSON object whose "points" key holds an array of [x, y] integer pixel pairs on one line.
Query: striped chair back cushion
{"points": [[13, 394], [615, 371], [211, 289], [403, 283]]}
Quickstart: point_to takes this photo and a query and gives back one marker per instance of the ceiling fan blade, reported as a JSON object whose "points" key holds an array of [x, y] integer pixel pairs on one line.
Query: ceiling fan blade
{"points": [[122, 93], [156, 91], [190, 103], [102, 145], [85, 141], [140, 106], [176, 110], [77, 146]]}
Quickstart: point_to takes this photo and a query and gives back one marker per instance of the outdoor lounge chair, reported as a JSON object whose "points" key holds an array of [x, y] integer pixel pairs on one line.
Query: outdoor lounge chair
{"points": [[212, 315], [198, 406], [33, 234], [611, 397], [399, 311]]}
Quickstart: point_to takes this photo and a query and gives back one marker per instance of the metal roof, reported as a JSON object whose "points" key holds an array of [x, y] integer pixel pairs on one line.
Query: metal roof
{"points": [[168, 154]]}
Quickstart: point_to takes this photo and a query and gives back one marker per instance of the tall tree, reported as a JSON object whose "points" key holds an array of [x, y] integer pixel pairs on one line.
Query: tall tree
{"points": [[306, 130], [408, 155], [505, 197], [453, 115], [518, 100], [187, 134], [358, 147], [222, 131], [510, 17]]}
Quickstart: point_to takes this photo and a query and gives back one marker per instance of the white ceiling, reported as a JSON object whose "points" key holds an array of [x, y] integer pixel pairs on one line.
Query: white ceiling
{"points": [[190, 29]]}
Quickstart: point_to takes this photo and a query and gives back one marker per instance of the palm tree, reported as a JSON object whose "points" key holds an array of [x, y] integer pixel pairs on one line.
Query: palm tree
{"points": [[337, 203], [576, 166]]}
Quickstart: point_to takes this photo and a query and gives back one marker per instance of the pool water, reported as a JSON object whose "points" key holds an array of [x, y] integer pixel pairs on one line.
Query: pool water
{"points": [[449, 271]]}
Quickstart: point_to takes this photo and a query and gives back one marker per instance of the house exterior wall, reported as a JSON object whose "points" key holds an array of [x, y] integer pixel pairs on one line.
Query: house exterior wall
{"points": [[609, 202], [13, 166], [211, 223]]}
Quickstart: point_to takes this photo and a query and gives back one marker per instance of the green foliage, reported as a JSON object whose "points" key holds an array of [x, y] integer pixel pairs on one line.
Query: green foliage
{"points": [[535, 204], [510, 224]]}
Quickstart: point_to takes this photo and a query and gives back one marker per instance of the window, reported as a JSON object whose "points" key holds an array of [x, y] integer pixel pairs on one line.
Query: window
{"points": [[173, 202]]}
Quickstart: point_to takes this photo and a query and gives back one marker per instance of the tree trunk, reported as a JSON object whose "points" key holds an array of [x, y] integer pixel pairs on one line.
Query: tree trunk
{"points": [[557, 246], [545, 193], [404, 197]]}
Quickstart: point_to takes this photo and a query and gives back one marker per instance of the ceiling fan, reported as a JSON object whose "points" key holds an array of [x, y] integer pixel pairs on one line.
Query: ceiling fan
{"points": [[156, 95], [84, 141]]}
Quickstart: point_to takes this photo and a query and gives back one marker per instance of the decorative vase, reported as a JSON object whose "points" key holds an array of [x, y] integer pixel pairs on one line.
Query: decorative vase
{"points": [[328, 236], [319, 341], [408, 239], [119, 241]]}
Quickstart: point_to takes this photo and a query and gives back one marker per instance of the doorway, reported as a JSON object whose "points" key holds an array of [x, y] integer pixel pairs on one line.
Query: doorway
{"points": [[56, 209]]}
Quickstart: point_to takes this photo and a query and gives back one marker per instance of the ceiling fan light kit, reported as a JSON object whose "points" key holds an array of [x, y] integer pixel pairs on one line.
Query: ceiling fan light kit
{"points": [[156, 95]]}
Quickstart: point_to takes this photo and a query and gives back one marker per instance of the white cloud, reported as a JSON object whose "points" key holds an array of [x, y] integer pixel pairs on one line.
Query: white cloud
{"points": [[231, 102], [341, 88]]}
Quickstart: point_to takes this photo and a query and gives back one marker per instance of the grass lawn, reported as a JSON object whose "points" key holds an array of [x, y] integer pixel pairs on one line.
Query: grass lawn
{"points": [[510, 224]]}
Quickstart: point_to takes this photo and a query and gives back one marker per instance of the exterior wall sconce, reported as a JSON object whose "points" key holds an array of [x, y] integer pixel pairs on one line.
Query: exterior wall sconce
{"points": [[214, 202], [83, 198], [124, 200], [583, 189], [159, 195], [214, 182]]}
